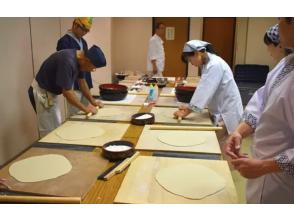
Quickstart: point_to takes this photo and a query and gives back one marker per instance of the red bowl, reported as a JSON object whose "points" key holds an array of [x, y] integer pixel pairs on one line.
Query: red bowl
{"points": [[113, 92], [185, 93], [113, 87]]}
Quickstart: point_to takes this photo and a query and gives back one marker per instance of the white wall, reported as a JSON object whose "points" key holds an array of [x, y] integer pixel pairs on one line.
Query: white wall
{"points": [[196, 29], [249, 38], [18, 127], [99, 35], [25, 44], [130, 37], [45, 34], [241, 40], [256, 51]]}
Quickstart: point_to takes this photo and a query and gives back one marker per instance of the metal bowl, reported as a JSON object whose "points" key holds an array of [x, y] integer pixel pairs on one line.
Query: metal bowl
{"points": [[185, 93], [161, 82]]}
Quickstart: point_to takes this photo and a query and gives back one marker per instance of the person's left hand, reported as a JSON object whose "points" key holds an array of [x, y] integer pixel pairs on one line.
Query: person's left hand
{"points": [[182, 112], [249, 168]]}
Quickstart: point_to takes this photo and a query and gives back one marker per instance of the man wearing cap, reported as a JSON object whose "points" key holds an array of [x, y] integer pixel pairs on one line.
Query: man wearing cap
{"points": [[73, 39], [57, 76]]}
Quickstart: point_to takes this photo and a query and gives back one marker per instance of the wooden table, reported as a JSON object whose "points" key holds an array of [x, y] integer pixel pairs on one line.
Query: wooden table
{"points": [[104, 192]]}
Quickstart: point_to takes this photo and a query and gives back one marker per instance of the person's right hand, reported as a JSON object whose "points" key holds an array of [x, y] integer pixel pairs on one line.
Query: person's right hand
{"points": [[182, 112], [91, 109], [233, 145]]}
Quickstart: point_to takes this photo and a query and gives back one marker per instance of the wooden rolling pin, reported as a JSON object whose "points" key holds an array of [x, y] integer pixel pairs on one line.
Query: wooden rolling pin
{"points": [[185, 128], [90, 113], [167, 95], [124, 104], [122, 166], [40, 199]]}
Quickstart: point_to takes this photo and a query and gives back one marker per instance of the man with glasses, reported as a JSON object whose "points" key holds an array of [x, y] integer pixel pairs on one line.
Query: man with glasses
{"points": [[56, 76], [73, 39]]}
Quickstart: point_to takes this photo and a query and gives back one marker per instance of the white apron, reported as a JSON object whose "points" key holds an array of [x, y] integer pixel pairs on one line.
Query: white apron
{"points": [[274, 136], [218, 91], [48, 112], [72, 110]]}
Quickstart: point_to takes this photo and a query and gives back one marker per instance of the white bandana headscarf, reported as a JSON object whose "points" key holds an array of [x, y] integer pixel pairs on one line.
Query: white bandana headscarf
{"points": [[195, 45]]}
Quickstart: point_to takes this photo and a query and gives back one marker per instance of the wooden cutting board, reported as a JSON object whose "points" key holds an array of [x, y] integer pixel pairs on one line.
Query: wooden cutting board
{"points": [[86, 166], [165, 115], [112, 113], [112, 132], [140, 186], [164, 101], [136, 100], [149, 141]]}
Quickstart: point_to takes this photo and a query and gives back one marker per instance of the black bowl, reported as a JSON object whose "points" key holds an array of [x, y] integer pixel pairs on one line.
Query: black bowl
{"points": [[148, 121], [119, 155], [113, 92], [185, 93], [121, 76]]}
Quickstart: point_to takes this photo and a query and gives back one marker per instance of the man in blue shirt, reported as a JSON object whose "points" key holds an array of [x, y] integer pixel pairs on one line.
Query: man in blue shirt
{"points": [[73, 39], [56, 76]]}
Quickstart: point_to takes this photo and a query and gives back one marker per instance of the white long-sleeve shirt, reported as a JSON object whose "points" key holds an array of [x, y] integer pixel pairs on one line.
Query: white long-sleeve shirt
{"points": [[274, 135], [156, 52], [218, 91]]}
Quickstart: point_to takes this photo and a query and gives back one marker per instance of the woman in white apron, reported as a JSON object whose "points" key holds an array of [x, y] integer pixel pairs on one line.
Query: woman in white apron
{"points": [[216, 90], [270, 115]]}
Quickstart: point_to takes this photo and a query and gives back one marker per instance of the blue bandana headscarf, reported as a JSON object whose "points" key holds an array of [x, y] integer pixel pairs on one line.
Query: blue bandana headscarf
{"points": [[273, 34]]}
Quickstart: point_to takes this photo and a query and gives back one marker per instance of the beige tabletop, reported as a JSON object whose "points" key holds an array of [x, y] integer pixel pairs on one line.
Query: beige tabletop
{"points": [[149, 141], [140, 186]]}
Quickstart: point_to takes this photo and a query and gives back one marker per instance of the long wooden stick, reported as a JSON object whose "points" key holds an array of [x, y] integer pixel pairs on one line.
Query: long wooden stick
{"points": [[125, 104], [40, 199], [122, 166], [185, 128], [90, 113], [167, 95]]}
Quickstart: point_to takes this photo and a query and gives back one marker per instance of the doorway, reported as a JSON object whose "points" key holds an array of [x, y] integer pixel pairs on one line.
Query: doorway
{"points": [[177, 34], [220, 32]]}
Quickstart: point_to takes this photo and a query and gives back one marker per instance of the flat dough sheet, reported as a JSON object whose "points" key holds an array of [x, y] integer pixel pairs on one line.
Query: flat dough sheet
{"points": [[40, 168], [181, 139], [190, 180], [112, 113], [80, 131]]}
